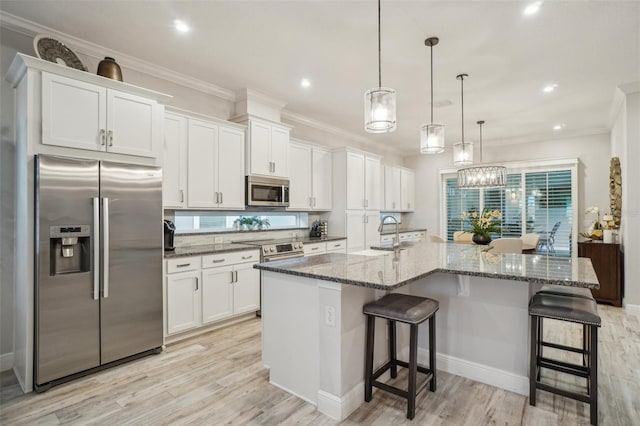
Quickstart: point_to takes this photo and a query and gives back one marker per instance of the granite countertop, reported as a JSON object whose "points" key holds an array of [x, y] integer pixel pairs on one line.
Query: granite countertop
{"points": [[391, 270], [311, 240], [207, 249], [389, 229]]}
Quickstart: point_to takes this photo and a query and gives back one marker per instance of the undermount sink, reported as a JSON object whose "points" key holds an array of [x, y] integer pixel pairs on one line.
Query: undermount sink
{"points": [[389, 246], [371, 252]]}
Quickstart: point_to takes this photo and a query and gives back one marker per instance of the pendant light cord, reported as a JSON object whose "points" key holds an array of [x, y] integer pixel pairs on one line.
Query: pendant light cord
{"points": [[379, 50], [431, 50], [480, 123], [462, 101]]}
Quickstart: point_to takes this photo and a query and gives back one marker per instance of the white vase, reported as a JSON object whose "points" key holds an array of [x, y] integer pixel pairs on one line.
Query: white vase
{"points": [[607, 236]]}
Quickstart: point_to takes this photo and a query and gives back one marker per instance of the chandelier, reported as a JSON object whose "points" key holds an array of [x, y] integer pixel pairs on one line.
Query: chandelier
{"points": [[482, 176]]}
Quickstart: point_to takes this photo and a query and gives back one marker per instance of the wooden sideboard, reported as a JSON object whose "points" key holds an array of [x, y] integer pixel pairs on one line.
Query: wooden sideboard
{"points": [[607, 262]]}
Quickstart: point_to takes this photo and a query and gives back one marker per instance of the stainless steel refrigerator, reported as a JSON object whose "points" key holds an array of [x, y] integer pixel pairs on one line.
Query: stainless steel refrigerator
{"points": [[98, 265]]}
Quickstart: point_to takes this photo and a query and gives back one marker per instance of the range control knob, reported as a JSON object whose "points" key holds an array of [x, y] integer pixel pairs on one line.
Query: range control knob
{"points": [[272, 249], [264, 250]]}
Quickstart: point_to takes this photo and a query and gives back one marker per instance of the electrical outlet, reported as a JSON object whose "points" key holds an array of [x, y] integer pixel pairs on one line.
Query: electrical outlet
{"points": [[330, 316]]}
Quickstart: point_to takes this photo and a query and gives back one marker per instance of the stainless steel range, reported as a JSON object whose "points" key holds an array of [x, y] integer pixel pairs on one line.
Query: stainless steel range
{"points": [[271, 250]]}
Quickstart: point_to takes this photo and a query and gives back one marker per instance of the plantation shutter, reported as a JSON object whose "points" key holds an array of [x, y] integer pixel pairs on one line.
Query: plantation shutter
{"points": [[459, 201]]}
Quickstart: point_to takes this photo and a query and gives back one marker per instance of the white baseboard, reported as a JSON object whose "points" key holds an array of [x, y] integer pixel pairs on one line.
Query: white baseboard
{"points": [[340, 408], [632, 309], [6, 361], [478, 372], [294, 394]]}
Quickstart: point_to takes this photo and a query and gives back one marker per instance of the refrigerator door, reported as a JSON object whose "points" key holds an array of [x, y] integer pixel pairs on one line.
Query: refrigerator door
{"points": [[67, 311], [131, 304]]}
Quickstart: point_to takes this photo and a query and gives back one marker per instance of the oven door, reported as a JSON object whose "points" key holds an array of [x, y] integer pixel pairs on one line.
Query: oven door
{"points": [[283, 257], [267, 192]]}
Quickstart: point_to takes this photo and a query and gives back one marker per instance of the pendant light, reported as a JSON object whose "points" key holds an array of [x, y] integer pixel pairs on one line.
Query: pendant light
{"points": [[431, 135], [482, 176], [380, 102], [462, 151]]}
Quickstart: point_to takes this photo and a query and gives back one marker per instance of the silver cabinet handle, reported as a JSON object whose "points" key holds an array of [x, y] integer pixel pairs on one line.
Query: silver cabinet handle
{"points": [[182, 196], [310, 202], [314, 248], [96, 248], [247, 257], [221, 198], [110, 137], [103, 136], [231, 279], [217, 198], [235, 273], [314, 201], [183, 265], [218, 260], [105, 247], [337, 245], [197, 284]]}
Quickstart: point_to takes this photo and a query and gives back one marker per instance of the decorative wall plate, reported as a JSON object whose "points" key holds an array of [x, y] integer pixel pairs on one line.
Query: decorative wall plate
{"points": [[52, 50]]}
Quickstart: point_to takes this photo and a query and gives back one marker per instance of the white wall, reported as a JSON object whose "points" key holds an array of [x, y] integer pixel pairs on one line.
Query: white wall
{"points": [[625, 143], [593, 173]]}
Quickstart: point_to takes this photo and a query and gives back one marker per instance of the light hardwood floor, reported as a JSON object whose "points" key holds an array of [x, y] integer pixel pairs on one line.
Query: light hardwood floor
{"points": [[218, 378]]}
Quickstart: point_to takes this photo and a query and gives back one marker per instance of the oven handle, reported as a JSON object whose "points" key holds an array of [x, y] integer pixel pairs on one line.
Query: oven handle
{"points": [[283, 257]]}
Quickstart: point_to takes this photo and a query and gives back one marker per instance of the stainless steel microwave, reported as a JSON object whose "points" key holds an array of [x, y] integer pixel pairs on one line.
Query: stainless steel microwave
{"points": [[264, 191]]}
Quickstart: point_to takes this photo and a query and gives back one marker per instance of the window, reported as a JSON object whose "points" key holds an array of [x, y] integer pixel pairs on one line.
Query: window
{"points": [[534, 201], [187, 221]]}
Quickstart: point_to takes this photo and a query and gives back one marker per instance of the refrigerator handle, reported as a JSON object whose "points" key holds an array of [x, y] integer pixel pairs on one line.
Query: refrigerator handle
{"points": [[105, 247], [96, 248]]}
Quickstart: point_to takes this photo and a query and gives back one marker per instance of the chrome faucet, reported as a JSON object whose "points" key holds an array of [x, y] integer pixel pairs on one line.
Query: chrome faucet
{"points": [[396, 240]]}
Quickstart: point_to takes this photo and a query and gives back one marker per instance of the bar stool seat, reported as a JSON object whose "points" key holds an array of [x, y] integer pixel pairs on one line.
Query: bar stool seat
{"points": [[412, 310], [563, 290], [580, 310]]}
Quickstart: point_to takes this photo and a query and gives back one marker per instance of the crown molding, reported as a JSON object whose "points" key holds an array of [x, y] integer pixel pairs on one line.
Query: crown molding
{"points": [[317, 124], [249, 94], [29, 28]]}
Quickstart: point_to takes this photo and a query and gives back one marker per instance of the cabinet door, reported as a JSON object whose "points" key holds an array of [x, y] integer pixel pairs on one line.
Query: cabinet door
{"points": [[230, 164], [201, 169], [372, 221], [355, 231], [259, 148], [408, 193], [300, 177], [183, 301], [74, 113], [217, 294], [174, 161], [373, 184], [355, 181], [280, 152], [132, 124], [322, 179], [391, 188], [246, 289]]}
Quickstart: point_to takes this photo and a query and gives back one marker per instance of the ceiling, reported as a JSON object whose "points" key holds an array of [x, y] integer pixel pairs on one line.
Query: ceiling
{"points": [[587, 48]]}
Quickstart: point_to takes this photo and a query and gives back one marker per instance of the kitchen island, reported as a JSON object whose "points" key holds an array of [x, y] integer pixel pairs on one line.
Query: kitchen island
{"points": [[314, 330]]}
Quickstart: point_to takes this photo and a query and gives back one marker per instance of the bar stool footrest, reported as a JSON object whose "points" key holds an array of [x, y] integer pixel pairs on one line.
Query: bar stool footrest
{"points": [[564, 348], [564, 367], [562, 392], [397, 391]]}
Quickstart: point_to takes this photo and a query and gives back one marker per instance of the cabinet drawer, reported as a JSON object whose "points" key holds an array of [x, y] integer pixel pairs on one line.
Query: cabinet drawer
{"points": [[315, 248], [336, 245], [386, 238], [223, 259], [183, 264]]}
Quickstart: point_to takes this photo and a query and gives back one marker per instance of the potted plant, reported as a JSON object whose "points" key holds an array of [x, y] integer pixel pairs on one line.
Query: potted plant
{"points": [[260, 223], [483, 224], [245, 222]]}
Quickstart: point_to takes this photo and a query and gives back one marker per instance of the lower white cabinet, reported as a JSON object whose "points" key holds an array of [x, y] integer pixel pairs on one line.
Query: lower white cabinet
{"points": [[339, 246], [413, 236], [314, 249], [212, 288], [362, 229]]}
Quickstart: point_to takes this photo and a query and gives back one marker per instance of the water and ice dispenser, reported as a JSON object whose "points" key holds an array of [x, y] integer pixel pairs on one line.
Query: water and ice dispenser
{"points": [[70, 249]]}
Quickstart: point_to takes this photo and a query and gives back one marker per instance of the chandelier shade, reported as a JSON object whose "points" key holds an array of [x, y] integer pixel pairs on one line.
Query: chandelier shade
{"points": [[431, 135], [482, 176], [380, 102]]}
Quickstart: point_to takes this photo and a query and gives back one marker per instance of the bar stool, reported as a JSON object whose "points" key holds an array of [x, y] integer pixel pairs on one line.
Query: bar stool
{"points": [[578, 310], [412, 310]]}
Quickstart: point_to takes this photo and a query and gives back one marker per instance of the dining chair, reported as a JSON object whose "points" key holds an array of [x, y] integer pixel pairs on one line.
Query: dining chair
{"points": [[433, 238], [530, 242], [462, 237], [549, 239], [506, 245]]}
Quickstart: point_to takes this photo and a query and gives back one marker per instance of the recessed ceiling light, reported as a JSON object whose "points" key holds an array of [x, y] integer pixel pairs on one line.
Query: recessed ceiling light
{"points": [[550, 88], [181, 26], [532, 9], [558, 127], [305, 83]]}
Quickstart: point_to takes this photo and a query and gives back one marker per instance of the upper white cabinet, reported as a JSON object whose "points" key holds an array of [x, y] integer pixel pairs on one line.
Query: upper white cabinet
{"points": [[267, 146], [78, 114], [215, 166], [174, 161], [363, 180], [310, 177], [399, 189]]}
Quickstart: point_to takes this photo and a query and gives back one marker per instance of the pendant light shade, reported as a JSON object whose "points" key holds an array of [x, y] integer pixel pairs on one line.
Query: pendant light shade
{"points": [[431, 135], [462, 151], [380, 102], [482, 176]]}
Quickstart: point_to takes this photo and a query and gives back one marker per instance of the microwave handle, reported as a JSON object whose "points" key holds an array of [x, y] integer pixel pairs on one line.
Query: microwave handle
{"points": [[285, 194]]}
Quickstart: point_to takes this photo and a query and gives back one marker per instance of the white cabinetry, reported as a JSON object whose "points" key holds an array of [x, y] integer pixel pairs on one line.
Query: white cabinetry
{"points": [[310, 177], [362, 229], [267, 146], [339, 246], [215, 166], [78, 114], [314, 249], [212, 288], [174, 161], [399, 189], [413, 236]]}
